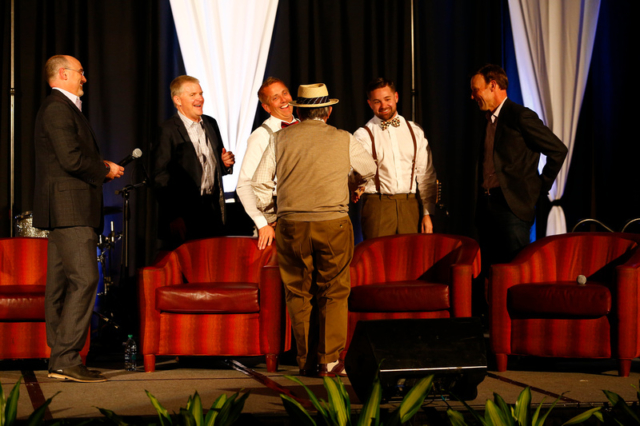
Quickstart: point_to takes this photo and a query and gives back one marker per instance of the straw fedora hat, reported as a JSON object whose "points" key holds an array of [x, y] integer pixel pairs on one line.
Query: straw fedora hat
{"points": [[313, 96]]}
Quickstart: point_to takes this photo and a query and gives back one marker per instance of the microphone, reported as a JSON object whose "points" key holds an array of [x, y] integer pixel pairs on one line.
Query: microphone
{"points": [[582, 280], [137, 153]]}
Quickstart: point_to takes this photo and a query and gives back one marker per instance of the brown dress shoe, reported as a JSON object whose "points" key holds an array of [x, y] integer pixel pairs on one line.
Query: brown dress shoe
{"points": [[333, 369], [77, 373]]}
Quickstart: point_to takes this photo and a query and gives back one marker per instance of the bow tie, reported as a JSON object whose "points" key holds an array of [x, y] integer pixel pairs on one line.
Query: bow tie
{"points": [[394, 122], [284, 124]]}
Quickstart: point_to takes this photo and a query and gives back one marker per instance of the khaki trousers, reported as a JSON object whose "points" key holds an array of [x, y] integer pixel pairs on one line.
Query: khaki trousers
{"points": [[389, 215], [314, 260]]}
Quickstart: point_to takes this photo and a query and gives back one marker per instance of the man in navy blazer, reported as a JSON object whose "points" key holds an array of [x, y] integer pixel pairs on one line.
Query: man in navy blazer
{"points": [[188, 162], [68, 201], [509, 182]]}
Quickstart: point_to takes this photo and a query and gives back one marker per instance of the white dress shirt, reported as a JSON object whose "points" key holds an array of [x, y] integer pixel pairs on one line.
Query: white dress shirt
{"points": [[73, 98], [198, 137], [256, 145], [395, 152]]}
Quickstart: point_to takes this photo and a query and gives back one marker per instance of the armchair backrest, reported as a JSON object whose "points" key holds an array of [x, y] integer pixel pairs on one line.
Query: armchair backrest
{"points": [[407, 257], [223, 259], [564, 257], [23, 261]]}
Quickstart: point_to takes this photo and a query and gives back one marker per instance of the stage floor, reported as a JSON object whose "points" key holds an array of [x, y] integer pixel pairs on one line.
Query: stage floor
{"points": [[173, 381]]}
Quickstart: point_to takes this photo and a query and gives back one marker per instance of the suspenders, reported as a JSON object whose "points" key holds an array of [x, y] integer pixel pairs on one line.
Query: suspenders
{"points": [[268, 129], [375, 157]]}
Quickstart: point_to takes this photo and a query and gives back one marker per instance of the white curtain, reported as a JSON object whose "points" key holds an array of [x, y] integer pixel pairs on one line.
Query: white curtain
{"points": [[225, 44], [553, 42]]}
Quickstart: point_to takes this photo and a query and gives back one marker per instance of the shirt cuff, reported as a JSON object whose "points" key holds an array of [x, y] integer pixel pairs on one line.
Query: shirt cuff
{"points": [[260, 222]]}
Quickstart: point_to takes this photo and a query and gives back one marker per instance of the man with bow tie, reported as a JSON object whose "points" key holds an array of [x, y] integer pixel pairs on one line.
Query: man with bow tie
{"points": [[274, 97], [405, 168]]}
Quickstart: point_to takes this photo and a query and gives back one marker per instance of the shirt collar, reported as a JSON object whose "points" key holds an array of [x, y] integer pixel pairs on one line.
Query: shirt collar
{"points": [[187, 121], [69, 95], [496, 113]]}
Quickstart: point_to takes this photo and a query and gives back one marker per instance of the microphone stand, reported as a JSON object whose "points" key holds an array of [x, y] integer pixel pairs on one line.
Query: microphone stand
{"points": [[126, 216]]}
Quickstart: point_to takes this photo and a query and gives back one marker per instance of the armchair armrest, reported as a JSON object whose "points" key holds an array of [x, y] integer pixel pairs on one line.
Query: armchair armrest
{"points": [[272, 307], [625, 307], [165, 272]]}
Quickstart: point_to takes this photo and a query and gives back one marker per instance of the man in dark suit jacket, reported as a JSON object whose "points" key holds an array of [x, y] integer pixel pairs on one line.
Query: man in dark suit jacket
{"points": [[509, 182], [68, 201], [189, 161]]}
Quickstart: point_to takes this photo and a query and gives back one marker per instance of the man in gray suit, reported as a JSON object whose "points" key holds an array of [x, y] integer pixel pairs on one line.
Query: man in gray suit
{"points": [[68, 201]]}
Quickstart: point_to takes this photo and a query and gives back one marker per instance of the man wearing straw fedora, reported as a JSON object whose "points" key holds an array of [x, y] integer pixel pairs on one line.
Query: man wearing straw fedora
{"points": [[405, 169], [314, 236]]}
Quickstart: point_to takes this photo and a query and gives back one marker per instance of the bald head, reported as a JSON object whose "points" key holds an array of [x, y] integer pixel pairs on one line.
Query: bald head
{"points": [[65, 72]]}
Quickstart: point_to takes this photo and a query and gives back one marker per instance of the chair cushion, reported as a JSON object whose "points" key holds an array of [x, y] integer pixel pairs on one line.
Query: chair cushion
{"points": [[21, 303], [399, 296], [209, 298], [564, 299]]}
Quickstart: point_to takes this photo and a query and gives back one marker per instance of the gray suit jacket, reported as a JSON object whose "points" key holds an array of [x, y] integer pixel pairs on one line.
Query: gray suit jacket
{"points": [[69, 168]]}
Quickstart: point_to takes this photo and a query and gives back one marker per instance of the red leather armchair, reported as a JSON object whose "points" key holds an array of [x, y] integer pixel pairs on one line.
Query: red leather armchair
{"points": [[412, 276], [537, 307], [216, 296], [23, 276]]}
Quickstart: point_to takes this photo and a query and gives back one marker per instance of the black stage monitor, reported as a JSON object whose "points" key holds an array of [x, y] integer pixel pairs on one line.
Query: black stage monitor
{"points": [[452, 349]]}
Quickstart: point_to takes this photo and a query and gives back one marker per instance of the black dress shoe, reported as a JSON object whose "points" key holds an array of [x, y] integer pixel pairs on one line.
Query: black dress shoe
{"points": [[77, 373], [309, 372]]}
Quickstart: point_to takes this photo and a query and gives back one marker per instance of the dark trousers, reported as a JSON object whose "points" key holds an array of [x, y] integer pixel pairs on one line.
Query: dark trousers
{"points": [[314, 260], [72, 282], [502, 233]]}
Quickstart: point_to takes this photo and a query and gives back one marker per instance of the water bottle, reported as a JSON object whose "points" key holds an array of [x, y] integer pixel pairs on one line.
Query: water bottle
{"points": [[130, 354]]}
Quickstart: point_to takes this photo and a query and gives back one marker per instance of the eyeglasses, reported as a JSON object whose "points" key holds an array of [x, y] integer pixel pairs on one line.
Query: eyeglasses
{"points": [[80, 71]]}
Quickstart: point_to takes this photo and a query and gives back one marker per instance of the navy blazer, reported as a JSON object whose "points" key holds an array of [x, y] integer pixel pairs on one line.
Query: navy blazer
{"points": [[177, 172], [69, 168], [519, 140]]}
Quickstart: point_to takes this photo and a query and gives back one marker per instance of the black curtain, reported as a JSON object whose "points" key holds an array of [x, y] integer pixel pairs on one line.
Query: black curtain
{"points": [[130, 53], [604, 182]]}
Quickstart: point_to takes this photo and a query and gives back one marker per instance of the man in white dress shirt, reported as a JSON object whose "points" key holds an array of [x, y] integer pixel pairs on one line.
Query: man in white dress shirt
{"points": [[274, 97], [405, 169]]}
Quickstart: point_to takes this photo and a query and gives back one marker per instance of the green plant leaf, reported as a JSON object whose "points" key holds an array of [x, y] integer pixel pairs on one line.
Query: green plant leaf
{"points": [[215, 410], [582, 417], [456, 418], [223, 416], [194, 406], [536, 414], [506, 411], [117, 420], [598, 415], [371, 409], [186, 418], [345, 398], [11, 406], [336, 403], [312, 396], [523, 406], [473, 412], [620, 406], [236, 409], [414, 398], [544, 418], [297, 412], [2, 405], [37, 417], [492, 414], [163, 414]]}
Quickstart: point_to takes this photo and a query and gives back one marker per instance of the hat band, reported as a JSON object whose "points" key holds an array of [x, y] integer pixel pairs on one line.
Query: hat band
{"points": [[313, 101]]}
